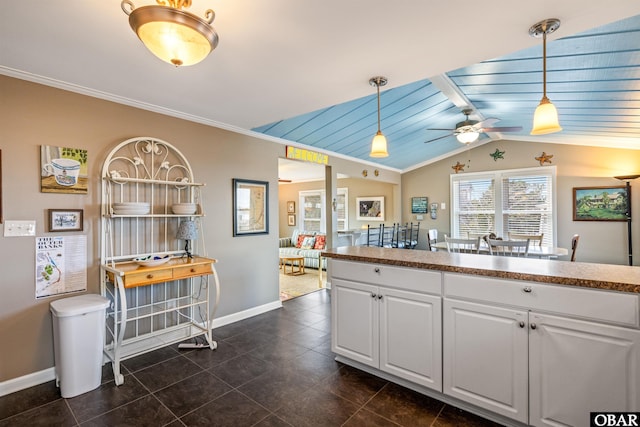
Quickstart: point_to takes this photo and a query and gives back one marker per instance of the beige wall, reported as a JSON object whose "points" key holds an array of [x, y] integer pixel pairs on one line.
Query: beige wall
{"points": [[577, 166], [358, 187], [32, 115]]}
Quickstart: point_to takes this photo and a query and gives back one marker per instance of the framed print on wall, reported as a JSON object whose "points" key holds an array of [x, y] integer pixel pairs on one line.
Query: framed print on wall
{"points": [[419, 205], [370, 208], [600, 203], [291, 220], [291, 207], [63, 170], [65, 219], [250, 207]]}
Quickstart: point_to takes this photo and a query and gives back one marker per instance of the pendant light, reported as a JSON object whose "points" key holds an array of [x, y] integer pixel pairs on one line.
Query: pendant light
{"points": [[379, 143], [545, 119], [170, 33]]}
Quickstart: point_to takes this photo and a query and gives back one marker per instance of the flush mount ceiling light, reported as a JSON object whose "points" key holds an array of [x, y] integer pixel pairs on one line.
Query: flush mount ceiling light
{"points": [[545, 119], [170, 33], [379, 143]]}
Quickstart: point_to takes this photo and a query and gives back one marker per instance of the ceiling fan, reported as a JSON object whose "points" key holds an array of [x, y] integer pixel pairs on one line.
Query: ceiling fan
{"points": [[468, 131]]}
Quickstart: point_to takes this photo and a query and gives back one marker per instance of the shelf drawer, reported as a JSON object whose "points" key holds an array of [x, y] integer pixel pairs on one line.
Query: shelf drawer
{"points": [[600, 305], [411, 279], [191, 270], [147, 277]]}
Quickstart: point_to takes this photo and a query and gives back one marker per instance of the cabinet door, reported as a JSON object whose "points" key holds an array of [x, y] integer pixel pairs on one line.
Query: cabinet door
{"points": [[577, 367], [485, 357], [354, 321], [411, 337]]}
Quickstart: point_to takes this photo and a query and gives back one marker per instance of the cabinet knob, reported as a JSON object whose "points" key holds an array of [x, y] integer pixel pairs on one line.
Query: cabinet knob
{"points": [[377, 269], [521, 324], [149, 276], [373, 295], [379, 296], [527, 289], [533, 326], [193, 270]]}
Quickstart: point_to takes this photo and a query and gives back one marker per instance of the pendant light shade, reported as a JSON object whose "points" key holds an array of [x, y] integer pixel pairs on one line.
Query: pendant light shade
{"points": [[467, 137], [379, 142], [545, 118], [173, 35]]}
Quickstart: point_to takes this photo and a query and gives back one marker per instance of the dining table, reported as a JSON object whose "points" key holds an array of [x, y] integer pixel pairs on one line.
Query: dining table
{"points": [[548, 252]]}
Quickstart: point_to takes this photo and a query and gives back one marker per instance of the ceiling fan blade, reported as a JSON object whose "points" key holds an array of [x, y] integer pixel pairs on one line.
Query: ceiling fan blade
{"points": [[486, 122], [441, 137], [503, 129], [450, 130]]}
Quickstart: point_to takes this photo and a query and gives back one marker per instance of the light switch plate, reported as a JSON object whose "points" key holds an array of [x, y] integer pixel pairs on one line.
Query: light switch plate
{"points": [[443, 206], [419, 217], [19, 228]]}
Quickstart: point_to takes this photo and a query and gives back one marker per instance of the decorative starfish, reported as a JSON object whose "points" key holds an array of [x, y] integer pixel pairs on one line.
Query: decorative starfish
{"points": [[544, 158], [497, 155], [458, 167]]}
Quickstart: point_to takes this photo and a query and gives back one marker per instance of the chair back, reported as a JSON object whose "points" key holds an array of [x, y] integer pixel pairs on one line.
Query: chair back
{"points": [[514, 248], [373, 235], [432, 239], [387, 236], [468, 246], [534, 239], [411, 236], [574, 245]]}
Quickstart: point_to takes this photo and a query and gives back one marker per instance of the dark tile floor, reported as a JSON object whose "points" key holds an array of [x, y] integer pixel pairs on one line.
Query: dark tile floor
{"points": [[275, 369]]}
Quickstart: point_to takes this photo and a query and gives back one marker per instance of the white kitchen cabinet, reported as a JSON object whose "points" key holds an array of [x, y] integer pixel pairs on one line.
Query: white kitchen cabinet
{"points": [[533, 367], [391, 329], [577, 367], [485, 357]]}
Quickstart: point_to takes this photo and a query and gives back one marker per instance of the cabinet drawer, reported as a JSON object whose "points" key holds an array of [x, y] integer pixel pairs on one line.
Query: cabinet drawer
{"points": [[147, 277], [412, 279], [191, 270], [607, 306]]}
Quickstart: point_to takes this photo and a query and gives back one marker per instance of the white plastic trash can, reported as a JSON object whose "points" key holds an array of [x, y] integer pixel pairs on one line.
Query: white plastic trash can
{"points": [[78, 339]]}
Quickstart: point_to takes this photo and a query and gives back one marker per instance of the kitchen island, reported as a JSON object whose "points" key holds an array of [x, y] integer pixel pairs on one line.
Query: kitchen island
{"points": [[519, 341]]}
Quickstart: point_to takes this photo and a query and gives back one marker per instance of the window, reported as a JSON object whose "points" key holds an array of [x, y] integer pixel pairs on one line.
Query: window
{"points": [[519, 201], [312, 210]]}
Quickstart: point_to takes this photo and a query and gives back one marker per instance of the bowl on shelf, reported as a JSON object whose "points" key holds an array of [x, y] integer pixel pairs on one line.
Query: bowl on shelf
{"points": [[151, 260], [184, 208], [131, 208]]}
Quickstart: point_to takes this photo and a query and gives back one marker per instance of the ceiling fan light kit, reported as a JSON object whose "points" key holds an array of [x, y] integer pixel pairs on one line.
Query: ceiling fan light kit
{"points": [[379, 142], [172, 34], [468, 131], [545, 118]]}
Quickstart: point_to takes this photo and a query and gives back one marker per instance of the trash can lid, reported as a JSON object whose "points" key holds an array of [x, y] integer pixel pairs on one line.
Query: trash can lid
{"points": [[78, 305]]}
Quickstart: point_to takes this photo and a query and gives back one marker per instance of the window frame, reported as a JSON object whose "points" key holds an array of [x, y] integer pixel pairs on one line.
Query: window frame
{"points": [[498, 176], [323, 214]]}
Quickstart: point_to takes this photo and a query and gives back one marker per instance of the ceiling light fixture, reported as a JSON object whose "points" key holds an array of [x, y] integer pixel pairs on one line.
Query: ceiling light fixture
{"points": [[467, 137], [379, 143], [545, 119], [170, 33]]}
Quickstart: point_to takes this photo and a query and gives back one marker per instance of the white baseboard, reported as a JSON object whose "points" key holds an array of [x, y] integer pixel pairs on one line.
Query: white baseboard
{"points": [[36, 378], [26, 381]]}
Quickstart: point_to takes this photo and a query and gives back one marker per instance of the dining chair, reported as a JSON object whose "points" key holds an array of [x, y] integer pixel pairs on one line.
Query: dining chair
{"points": [[387, 235], [456, 245], [411, 236], [574, 245], [534, 239], [373, 235], [514, 248], [432, 239]]}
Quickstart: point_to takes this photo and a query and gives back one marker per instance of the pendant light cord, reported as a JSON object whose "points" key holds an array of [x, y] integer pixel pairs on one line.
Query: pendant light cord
{"points": [[378, 87], [544, 63]]}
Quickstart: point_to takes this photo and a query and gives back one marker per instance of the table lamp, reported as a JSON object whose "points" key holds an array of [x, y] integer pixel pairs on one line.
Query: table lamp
{"points": [[187, 231]]}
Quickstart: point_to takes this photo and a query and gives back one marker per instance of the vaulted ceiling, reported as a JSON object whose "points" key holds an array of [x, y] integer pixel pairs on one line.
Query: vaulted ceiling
{"points": [[299, 71]]}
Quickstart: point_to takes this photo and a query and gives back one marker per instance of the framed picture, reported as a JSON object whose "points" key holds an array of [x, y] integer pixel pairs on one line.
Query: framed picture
{"points": [[600, 203], [419, 205], [65, 219], [291, 207], [291, 220], [370, 208], [250, 207], [63, 170]]}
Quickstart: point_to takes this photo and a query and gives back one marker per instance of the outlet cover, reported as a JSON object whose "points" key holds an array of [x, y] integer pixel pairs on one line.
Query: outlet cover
{"points": [[19, 228]]}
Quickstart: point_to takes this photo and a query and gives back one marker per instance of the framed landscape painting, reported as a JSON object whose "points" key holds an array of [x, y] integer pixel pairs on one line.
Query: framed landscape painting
{"points": [[370, 208], [250, 204], [600, 203]]}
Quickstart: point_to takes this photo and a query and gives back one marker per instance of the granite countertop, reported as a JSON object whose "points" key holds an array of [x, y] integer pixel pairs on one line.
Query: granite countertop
{"points": [[600, 276]]}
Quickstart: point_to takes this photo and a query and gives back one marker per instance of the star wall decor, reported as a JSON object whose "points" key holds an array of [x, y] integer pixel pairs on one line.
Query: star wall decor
{"points": [[497, 155], [458, 167], [544, 158]]}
